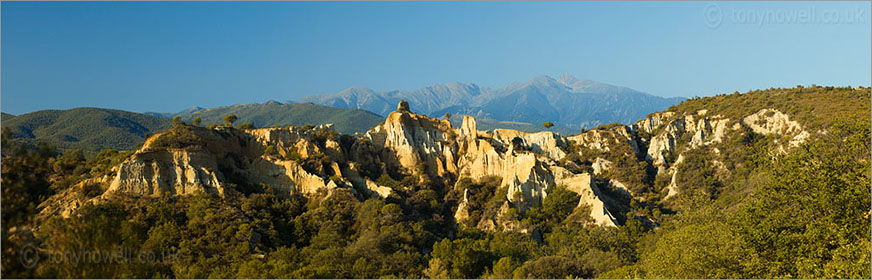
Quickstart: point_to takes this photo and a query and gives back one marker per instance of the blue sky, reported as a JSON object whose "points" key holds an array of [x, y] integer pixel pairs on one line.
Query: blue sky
{"points": [[164, 56]]}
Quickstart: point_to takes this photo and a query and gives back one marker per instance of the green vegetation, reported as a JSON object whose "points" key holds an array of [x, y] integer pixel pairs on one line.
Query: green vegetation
{"points": [[229, 119], [762, 214], [178, 137], [813, 107], [810, 219], [273, 113], [89, 129], [94, 129], [547, 125]]}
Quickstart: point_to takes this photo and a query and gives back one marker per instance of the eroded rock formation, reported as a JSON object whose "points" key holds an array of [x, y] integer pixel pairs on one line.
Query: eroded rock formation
{"points": [[308, 161]]}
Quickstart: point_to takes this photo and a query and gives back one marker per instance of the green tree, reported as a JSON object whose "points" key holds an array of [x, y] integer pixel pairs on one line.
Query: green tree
{"points": [[555, 208], [69, 161], [464, 258], [547, 125], [811, 220], [177, 120], [25, 184], [552, 267], [504, 268], [710, 250], [230, 119], [403, 106], [197, 121]]}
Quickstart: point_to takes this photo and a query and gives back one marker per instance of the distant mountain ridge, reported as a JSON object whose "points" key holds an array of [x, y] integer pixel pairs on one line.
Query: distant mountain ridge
{"points": [[96, 129], [568, 102], [179, 113]]}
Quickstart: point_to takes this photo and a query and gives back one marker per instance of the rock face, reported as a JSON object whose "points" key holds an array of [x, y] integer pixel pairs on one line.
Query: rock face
{"points": [[156, 171], [406, 142], [175, 172], [601, 165], [409, 139], [770, 121], [462, 213], [705, 130], [189, 160], [591, 196]]}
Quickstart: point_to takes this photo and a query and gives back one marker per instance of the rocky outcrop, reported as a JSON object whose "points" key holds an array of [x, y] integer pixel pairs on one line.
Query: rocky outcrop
{"points": [[381, 191], [603, 139], [287, 176], [406, 143], [297, 161], [155, 170], [771, 121], [621, 187], [663, 144], [462, 213], [545, 143], [527, 178], [468, 129], [583, 185], [409, 140], [672, 187], [174, 172], [673, 133], [652, 121], [601, 165]]}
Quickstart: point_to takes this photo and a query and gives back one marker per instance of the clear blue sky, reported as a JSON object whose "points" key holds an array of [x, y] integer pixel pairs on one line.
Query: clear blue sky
{"points": [[164, 56]]}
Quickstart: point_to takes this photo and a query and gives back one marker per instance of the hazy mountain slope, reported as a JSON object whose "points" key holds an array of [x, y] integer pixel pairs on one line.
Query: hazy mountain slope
{"points": [[568, 102], [273, 113], [89, 129], [180, 113]]}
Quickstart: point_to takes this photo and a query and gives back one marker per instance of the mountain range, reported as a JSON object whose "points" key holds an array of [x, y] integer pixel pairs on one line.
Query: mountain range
{"points": [[566, 101]]}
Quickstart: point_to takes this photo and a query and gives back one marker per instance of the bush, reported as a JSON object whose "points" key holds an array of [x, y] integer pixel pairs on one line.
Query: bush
{"points": [[270, 151], [230, 119], [547, 124], [178, 138], [552, 267]]}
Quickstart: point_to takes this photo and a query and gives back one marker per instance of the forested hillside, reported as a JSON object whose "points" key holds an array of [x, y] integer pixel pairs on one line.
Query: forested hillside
{"points": [[770, 183], [273, 113], [89, 129]]}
